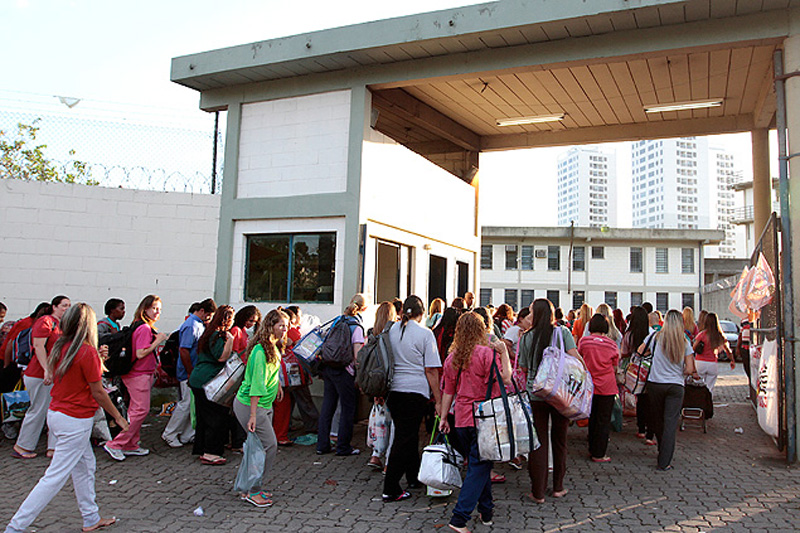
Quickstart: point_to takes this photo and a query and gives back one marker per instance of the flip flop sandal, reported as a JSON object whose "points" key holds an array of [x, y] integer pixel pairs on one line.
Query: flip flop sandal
{"points": [[498, 478], [104, 522], [266, 502], [213, 462], [18, 455]]}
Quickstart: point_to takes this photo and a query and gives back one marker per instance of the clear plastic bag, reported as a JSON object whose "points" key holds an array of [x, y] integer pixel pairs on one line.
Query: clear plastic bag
{"points": [[251, 468], [378, 429]]}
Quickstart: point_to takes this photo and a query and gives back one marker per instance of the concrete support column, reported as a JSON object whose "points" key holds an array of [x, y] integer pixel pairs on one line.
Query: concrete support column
{"points": [[791, 66], [762, 182]]}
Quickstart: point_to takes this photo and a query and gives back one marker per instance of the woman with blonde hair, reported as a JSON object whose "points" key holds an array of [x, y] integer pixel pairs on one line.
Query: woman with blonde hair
{"points": [[689, 324], [613, 333], [435, 313], [76, 369], [584, 316], [340, 388], [707, 345], [139, 381], [673, 359], [467, 372], [260, 388]]}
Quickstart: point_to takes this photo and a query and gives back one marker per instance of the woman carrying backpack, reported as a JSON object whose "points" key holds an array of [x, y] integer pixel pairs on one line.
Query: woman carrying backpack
{"points": [[531, 348], [708, 344], [75, 368], [139, 381], [673, 360], [39, 379], [467, 372]]}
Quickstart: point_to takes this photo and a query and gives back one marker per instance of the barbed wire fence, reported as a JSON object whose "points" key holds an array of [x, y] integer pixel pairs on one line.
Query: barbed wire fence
{"points": [[123, 145]]}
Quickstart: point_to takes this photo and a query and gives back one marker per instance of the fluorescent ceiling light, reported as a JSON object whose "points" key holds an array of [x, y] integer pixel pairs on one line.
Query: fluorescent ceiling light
{"points": [[682, 106], [538, 119]]}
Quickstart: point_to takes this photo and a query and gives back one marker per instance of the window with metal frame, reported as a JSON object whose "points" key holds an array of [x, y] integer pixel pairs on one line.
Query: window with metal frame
{"points": [[553, 258], [510, 297], [579, 259], [528, 295], [662, 260], [687, 300], [637, 298], [578, 298], [486, 257], [290, 267], [598, 252], [554, 297], [485, 297], [611, 299], [636, 259], [662, 301], [687, 260], [526, 258], [511, 257]]}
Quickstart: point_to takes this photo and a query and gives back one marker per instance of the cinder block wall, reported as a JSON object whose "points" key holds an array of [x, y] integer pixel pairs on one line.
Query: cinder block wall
{"points": [[94, 243]]}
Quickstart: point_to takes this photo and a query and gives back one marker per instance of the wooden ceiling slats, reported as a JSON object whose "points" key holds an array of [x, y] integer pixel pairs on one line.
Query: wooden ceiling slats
{"points": [[611, 92], [672, 14], [627, 88], [737, 77], [718, 78], [574, 112], [723, 8], [745, 7], [578, 28], [640, 73], [594, 94], [623, 21], [760, 69], [659, 73], [514, 37], [600, 24], [493, 41], [534, 35], [647, 18], [555, 31], [698, 10], [698, 74]]}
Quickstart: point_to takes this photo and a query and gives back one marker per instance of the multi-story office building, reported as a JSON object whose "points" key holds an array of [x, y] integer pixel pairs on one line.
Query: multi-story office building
{"points": [[619, 266], [587, 188], [685, 184]]}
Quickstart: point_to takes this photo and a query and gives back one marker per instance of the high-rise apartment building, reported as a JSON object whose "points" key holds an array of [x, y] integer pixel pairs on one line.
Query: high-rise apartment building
{"points": [[683, 183], [587, 188]]}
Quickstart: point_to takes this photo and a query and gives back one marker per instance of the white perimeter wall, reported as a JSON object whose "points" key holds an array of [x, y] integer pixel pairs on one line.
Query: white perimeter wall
{"points": [[95, 243], [294, 146]]}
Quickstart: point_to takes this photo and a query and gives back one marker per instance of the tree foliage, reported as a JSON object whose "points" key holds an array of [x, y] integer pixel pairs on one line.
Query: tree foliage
{"points": [[21, 158]]}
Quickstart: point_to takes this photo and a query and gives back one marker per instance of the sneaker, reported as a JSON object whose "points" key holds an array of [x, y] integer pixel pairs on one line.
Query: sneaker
{"points": [[375, 463], [402, 496], [486, 521], [354, 451], [172, 443], [137, 451], [114, 453]]}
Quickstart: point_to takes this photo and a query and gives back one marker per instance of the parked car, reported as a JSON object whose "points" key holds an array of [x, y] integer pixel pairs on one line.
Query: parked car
{"points": [[731, 332]]}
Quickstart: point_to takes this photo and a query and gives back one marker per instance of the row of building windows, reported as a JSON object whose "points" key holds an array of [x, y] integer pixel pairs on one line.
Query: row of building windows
{"points": [[522, 258], [519, 299]]}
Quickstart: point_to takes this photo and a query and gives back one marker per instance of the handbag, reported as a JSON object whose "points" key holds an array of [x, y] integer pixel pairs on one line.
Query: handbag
{"points": [[504, 424], [14, 404], [223, 387], [639, 369], [440, 465], [563, 381]]}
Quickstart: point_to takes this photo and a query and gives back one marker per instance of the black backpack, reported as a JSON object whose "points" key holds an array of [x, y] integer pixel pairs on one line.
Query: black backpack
{"points": [[170, 354], [120, 349], [22, 349], [337, 349], [375, 366]]}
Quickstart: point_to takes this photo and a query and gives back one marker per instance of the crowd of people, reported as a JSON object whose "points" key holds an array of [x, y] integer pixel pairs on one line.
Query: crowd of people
{"points": [[443, 361]]}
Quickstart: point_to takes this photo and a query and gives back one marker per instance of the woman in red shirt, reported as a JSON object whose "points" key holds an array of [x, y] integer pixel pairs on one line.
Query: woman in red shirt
{"points": [[248, 317], [38, 380], [601, 355], [467, 371], [707, 346], [75, 368], [139, 381]]}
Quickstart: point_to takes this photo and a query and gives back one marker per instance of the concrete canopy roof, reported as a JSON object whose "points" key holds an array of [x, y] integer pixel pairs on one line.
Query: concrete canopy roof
{"points": [[440, 81]]}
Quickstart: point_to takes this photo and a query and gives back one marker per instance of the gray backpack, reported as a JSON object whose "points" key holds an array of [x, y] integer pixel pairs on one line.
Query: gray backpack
{"points": [[375, 366]]}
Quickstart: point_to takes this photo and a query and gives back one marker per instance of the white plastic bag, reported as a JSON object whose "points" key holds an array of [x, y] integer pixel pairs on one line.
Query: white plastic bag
{"points": [[251, 469], [440, 466], [100, 429], [378, 429]]}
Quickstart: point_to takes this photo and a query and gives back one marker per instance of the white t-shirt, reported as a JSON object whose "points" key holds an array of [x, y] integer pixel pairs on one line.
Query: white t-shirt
{"points": [[513, 334], [415, 352]]}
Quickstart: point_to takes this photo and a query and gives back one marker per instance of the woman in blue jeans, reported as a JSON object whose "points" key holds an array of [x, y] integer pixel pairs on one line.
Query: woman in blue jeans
{"points": [[673, 359], [467, 371]]}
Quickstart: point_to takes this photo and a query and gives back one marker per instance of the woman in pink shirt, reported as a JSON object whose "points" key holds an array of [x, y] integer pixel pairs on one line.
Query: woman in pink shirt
{"points": [[467, 371], [601, 355], [139, 380]]}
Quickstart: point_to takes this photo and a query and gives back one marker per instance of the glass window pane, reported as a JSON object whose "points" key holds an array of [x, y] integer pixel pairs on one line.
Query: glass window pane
{"points": [[637, 298], [486, 257], [527, 298], [579, 259], [611, 299], [526, 259], [511, 298], [267, 270], [578, 298], [554, 297], [313, 267], [486, 297], [687, 260], [553, 258], [636, 259], [662, 301], [662, 260], [511, 257], [598, 252]]}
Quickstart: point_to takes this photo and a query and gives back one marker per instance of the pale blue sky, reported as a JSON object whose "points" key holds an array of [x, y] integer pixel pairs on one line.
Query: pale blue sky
{"points": [[120, 52]]}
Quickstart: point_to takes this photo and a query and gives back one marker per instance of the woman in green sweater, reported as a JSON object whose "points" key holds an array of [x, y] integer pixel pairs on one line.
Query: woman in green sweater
{"points": [[213, 348], [260, 388]]}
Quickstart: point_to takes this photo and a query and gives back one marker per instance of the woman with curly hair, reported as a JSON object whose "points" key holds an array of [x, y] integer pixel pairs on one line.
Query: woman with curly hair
{"points": [[260, 388], [467, 371]]}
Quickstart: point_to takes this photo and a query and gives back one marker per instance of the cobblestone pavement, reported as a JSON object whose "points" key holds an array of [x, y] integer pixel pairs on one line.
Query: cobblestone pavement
{"points": [[722, 481]]}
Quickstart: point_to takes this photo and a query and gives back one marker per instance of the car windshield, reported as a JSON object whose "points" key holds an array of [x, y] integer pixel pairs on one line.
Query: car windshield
{"points": [[728, 327]]}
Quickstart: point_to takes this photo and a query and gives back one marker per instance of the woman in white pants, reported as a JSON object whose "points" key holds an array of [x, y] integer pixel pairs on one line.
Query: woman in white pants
{"points": [[708, 344], [38, 380], [75, 366]]}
